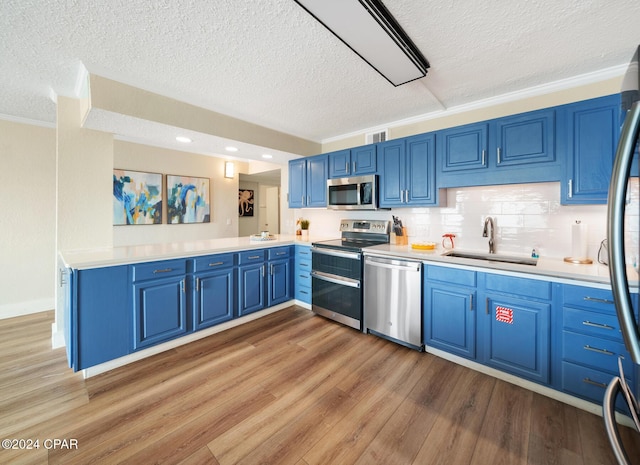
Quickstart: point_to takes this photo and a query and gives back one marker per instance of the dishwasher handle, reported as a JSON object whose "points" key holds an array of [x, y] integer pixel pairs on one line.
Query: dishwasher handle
{"points": [[393, 263]]}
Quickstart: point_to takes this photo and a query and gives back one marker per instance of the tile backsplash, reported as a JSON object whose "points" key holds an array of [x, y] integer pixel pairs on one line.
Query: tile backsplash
{"points": [[526, 216]]}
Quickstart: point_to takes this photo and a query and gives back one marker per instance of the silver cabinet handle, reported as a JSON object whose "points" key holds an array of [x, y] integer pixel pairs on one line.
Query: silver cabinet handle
{"points": [[570, 188], [346, 167], [499, 151], [164, 270], [484, 157], [182, 285], [197, 284], [282, 253], [271, 269], [254, 257], [594, 383], [216, 263], [597, 325], [354, 166], [471, 302], [600, 301], [600, 351]]}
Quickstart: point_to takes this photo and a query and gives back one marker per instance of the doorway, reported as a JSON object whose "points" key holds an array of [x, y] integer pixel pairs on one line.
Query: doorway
{"points": [[266, 203]]}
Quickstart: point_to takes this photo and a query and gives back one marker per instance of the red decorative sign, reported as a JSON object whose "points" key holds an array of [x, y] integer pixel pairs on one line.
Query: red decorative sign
{"points": [[504, 315]]}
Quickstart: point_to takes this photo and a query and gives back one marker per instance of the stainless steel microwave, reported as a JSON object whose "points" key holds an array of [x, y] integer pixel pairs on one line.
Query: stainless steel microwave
{"points": [[357, 193]]}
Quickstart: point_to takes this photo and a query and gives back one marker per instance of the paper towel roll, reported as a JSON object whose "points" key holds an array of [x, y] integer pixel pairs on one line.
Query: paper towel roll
{"points": [[579, 234]]}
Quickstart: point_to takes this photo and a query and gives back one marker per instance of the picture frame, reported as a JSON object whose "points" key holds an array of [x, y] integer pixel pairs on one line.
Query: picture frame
{"points": [[188, 199], [245, 202], [137, 197]]}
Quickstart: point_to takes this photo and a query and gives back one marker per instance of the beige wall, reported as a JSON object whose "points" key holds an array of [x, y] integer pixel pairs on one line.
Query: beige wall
{"points": [[224, 215], [27, 222]]}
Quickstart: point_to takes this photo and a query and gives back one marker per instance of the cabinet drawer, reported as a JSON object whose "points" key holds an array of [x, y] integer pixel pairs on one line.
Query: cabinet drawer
{"points": [[251, 256], [596, 352], [212, 262], [592, 323], [523, 287], [589, 298], [278, 252], [303, 252], [302, 279], [303, 265], [451, 276], [587, 383], [160, 269]]}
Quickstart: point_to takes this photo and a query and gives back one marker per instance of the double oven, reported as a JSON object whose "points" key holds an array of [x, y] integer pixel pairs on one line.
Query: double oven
{"points": [[337, 270]]}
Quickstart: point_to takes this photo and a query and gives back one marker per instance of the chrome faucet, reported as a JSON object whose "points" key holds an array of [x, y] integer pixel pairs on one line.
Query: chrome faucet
{"points": [[489, 220]]}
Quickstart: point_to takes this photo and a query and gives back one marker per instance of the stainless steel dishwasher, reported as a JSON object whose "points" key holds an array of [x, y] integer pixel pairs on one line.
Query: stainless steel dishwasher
{"points": [[393, 299]]}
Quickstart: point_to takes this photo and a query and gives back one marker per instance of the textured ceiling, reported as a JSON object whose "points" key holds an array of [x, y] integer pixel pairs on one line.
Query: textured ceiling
{"points": [[268, 62]]}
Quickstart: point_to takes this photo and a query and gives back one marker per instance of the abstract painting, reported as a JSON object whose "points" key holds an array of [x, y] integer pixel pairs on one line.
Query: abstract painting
{"points": [[137, 197], [187, 199], [245, 202]]}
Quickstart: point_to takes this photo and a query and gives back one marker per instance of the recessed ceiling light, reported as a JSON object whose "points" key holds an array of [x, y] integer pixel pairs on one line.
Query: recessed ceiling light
{"points": [[183, 139], [231, 149], [266, 155]]}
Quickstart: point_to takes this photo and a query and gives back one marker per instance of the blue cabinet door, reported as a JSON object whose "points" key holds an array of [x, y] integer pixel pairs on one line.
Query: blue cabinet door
{"points": [[450, 319], [279, 285], [317, 175], [592, 128], [214, 298], [160, 310], [420, 169], [251, 290], [526, 139], [99, 319], [363, 160], [464, 148], [297, 183], [517, 337], [340, 163], [391, 163]]}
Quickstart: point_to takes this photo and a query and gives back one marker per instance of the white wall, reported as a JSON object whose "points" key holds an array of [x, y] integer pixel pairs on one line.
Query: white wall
{"points": [[526, 216], [27, 221]]}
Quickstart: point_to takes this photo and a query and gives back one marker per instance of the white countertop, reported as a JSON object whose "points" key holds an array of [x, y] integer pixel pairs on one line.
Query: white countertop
{"points": [[546, 267], [549, 267], [96, 258]]}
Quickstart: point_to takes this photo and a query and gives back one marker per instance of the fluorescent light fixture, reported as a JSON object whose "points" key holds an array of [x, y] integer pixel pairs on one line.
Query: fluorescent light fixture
{"points": [[267, 156], [229, 169], [367, 28], [183, 139], [231, 149]]}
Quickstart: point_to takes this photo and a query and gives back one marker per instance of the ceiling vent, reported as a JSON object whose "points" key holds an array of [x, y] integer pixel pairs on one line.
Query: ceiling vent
{"points": [[375, 137]]}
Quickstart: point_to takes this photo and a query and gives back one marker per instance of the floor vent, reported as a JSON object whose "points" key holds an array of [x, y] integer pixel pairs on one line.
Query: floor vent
{"points": [[375, 137]]}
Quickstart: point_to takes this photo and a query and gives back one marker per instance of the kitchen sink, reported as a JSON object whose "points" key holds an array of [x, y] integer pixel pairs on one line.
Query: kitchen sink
{"points": [[492, 257]]}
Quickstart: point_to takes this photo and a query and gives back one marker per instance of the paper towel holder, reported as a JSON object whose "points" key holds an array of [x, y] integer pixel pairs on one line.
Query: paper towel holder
{"points": [[578, 260]]}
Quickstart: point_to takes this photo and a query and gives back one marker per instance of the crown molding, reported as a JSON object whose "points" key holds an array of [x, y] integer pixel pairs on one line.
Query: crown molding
{"points": [[535, 91], [32, 122]]}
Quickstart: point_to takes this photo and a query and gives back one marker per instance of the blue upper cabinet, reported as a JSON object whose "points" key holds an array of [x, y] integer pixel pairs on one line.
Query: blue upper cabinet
{"points": [[407, 170], [353, 162], [308, 182], [592, 131], [464, 148], [514, 149]]}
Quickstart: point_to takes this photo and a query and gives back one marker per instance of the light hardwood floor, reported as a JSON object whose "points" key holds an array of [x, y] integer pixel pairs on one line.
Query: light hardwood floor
{"points": [[289, 388]]}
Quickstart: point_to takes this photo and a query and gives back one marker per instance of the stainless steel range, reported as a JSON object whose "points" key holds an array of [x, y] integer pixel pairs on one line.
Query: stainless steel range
{"points": [[336, 276]]}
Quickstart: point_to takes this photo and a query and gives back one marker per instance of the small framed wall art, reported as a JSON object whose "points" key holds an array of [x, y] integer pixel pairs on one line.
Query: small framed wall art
{"points": [[245, 202], [188, 200], [137, 197]]}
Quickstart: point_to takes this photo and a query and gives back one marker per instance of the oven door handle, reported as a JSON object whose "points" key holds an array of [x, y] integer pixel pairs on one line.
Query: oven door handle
{"points": [[332, 278], [336, 253]]}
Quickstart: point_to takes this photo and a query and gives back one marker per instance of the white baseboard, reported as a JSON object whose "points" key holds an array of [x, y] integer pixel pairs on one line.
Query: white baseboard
{"points": [[26, 308]]}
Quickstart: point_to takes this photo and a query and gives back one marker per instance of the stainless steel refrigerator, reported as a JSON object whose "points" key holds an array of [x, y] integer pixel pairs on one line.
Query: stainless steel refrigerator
{"points": [[627, 147]]}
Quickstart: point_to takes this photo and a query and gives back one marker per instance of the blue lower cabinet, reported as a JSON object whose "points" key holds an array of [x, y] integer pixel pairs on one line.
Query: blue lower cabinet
{"points": [[450, 319], [279, 285], [97, 316], [213, 298], [160, 310], [517, 337], [251, 295], [302, 274]]}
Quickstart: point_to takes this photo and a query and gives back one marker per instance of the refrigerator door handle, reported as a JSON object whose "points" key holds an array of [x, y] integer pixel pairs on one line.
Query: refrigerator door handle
{"points": [[609, 416], [615, 231]]}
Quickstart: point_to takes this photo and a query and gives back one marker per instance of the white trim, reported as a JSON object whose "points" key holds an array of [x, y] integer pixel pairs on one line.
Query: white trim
{"points": [[530, 385], [57, 337], [134, 357], [26, 308], [32, 122], [81, 88], [535, 91]]}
